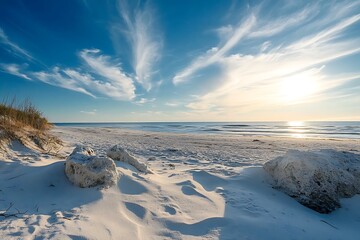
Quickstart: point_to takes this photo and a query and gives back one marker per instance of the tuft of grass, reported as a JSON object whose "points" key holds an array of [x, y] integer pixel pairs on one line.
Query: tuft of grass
{"points": [[14, 116], [26, 124]]}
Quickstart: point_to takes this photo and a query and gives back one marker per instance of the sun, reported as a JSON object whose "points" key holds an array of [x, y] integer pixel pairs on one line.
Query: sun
{"points": [[298, 88]]}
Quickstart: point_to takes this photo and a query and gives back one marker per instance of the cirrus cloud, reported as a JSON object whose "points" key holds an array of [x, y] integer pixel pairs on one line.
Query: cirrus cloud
{"points": [[100, 77], [254, 80], [144, 41]]}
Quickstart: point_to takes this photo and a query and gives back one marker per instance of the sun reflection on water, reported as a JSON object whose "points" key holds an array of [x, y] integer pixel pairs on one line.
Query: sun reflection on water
{"points": [[295, 124], [298, 135], [295, 129]]}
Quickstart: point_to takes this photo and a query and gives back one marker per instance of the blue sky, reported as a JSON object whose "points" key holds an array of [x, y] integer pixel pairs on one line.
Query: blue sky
{"points": [[89, 61]]}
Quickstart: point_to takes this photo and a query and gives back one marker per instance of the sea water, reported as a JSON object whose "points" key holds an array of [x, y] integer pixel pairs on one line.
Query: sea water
{"points": [[344, 129]]}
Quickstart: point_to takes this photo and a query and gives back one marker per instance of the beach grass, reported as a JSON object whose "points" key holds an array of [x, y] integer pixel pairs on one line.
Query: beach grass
{"points": [[15, 116], [24, 122]]}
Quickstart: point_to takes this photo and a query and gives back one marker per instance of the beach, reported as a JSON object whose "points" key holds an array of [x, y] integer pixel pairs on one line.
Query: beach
{"points": [[200, 186], [162, 120]]}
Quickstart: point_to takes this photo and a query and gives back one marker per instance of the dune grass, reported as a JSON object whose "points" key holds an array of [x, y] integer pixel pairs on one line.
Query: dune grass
{"points": [[24, 123], [15, 115]]}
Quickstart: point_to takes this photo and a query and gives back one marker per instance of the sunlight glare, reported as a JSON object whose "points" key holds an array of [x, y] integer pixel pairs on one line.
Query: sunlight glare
{"points": [[299, 87], [295, 127], [295, 124]]}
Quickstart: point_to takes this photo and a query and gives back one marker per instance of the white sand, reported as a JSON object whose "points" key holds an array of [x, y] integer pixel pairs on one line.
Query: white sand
{"points": [[202, 187]]}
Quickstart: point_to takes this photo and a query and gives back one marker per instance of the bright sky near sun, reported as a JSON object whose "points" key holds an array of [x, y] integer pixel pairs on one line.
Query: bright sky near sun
{"points": [[183, 60]]}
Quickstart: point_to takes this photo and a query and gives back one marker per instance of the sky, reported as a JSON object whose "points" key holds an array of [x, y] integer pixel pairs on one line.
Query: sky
{"points": [[183, 60]]}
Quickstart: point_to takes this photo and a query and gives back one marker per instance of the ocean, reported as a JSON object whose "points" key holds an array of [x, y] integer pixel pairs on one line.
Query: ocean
{"points": [[350, 130]]}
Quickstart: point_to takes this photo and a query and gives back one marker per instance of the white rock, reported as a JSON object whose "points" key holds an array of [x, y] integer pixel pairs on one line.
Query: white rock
{"points": [[120, 154], [84, 169], [317, 179]]}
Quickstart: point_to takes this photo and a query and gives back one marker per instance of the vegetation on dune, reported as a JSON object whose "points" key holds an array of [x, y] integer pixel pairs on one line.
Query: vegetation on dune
{"points": [[25, 123], [25, 114]]}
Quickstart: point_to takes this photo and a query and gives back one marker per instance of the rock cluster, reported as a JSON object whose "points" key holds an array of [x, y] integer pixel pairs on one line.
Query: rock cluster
{"points": [[85, 169]]}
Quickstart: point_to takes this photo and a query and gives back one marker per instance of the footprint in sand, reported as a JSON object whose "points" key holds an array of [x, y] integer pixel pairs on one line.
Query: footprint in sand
{"points": [[170, 210], [31, 229], [136, 209], [197, 229], [130, 186], [60, 216], [208, 181], [188, 188]]}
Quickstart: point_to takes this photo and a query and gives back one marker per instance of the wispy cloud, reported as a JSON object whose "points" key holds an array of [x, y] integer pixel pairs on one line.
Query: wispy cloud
{"points": [[85, 83], [112, 82], [254, 26], [100, 77], [121, 86], [254, 81], [15, 70], [327, 35], [15, 49], [57, 77], [267, 28], [92, 112], [143, 101], [172, 104], [145, 43], [214, 54]]}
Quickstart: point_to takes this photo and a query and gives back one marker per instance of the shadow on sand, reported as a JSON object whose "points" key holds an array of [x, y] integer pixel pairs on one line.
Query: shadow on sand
{"points": [[35, 191], [254, 210]]}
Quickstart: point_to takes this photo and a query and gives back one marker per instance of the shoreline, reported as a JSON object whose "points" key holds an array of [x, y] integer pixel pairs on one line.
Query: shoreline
{"points": [[125, 130], [264, 148], [236, 129]]}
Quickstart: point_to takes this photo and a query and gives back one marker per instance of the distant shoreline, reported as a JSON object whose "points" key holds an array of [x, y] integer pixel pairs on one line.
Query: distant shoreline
{"points": [[317, 130]]}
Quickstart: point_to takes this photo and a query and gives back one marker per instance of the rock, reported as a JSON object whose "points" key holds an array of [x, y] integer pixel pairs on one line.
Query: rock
{"points": [[317, 179], [84, 169], [120, 154]]}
